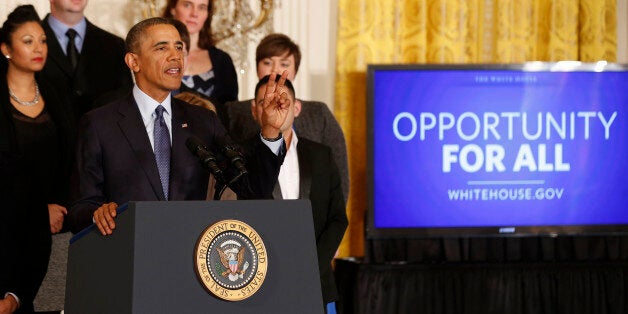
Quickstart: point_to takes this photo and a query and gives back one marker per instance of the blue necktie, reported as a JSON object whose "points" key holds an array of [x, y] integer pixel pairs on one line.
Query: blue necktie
{"points": [[162, 148]]}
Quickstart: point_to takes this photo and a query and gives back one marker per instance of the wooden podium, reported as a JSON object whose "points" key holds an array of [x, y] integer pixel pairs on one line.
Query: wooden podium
{"points": [[148, 264]]}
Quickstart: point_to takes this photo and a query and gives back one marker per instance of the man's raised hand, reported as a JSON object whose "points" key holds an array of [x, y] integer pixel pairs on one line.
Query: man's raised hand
{"points": [[275, 106]]}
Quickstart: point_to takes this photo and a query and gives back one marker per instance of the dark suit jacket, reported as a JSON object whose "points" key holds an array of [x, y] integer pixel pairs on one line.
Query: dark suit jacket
{"points": [[101, 68], [115, 161], [319, 181], [316, 122]]}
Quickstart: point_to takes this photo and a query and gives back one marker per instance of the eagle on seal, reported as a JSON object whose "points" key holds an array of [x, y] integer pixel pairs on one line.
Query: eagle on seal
{"points": [[232, 259]]}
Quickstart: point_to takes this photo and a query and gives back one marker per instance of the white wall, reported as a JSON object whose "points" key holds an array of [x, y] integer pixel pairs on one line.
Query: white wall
{"points": [[312, 25]]}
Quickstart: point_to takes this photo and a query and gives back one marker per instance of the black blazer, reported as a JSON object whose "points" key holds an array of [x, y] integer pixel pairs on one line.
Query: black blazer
{"points": [[319, 181], [115, 161], [101, 68], [24, 221]]}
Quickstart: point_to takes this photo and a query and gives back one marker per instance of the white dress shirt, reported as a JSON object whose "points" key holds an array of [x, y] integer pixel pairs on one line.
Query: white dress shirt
{"points": [[147, 108], [289, 172]]}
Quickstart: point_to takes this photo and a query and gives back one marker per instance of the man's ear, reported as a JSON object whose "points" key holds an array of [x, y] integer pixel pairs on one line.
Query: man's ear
{"points": [[297, 107], [131, 61], [253, 110]]}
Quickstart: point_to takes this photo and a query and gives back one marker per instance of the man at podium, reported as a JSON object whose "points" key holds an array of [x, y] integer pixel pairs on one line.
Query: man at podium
{"points": [[133, 149]]}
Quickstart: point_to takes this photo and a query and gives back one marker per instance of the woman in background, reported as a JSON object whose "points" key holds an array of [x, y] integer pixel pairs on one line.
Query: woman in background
{"points": [[189, 96], [36, 138], [208, 70]]}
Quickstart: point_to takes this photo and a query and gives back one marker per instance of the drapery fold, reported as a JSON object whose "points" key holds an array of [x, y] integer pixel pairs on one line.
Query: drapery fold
{"points": [[451, 31]]}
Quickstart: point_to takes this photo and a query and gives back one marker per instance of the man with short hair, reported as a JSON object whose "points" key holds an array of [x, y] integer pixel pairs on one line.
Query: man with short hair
{"points": [[84, 61], [278, 53], [134, 149], [309, 172]]}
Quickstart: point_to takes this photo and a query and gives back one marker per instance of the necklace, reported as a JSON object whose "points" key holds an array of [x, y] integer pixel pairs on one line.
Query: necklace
{"points": [[26, 103]]}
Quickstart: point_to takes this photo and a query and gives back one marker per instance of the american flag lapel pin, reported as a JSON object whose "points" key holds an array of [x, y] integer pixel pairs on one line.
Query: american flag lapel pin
{"points": [[184, 125]]}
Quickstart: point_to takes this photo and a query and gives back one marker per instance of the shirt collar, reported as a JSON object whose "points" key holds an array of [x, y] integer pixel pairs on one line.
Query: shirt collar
{"points": [[147, 105], [294, 141], [60, 29]]}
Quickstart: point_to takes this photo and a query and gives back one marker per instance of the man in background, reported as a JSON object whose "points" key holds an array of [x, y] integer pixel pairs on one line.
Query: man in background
{"points": [[278, 53], [309, 172], [84, 61]]}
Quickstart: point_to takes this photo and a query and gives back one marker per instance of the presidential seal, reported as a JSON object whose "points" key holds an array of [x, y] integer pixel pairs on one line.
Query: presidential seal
{"points": [[230, 260]]}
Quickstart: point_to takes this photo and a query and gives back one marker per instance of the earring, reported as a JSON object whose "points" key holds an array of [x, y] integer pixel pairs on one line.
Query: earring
{"points": [[8, 57]]}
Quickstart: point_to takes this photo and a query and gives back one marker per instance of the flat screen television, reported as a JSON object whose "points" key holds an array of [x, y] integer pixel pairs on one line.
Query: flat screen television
{"points": [[492, 150]]}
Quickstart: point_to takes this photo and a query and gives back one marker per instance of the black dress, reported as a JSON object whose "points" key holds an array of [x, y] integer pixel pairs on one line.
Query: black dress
{"points": [[34, 170], [219, 85], [36, 165]]}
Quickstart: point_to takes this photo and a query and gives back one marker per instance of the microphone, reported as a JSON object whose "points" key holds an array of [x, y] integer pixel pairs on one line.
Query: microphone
{"points": [[206, 157], [237, 160]]}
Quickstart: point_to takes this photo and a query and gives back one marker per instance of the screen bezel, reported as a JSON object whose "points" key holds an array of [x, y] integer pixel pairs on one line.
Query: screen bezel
{"points": [[488, 231]]}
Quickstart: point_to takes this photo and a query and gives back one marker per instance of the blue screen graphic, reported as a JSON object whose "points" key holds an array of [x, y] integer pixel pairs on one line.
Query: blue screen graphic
{"points": [[476, 148]]}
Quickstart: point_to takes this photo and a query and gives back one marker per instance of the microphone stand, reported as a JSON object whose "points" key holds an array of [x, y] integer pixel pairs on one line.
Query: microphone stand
{"points": [[210, 163], [236, 160], [221, 185], [220, 188]]}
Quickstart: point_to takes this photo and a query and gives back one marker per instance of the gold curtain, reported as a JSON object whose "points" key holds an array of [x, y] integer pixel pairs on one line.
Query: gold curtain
{"points": [[451, 31]]}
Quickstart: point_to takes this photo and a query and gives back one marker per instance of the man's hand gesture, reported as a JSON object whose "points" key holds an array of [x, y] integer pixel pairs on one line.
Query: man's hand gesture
{"points": [[275, 106]]}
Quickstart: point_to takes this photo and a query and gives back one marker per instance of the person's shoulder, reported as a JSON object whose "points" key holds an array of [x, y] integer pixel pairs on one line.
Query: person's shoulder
{"points": [[316, 115], [193, 110], [101, 117], [313, 145], [44, 22], [239, 106], [93, 30], [111, 107], [49, 32], [54, 100], [112, 96], [240, 116], [315, 104], [314, 108], [216, 52]]}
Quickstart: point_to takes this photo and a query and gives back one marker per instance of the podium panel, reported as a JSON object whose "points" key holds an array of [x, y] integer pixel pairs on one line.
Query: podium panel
{"points": [[148, 264]]}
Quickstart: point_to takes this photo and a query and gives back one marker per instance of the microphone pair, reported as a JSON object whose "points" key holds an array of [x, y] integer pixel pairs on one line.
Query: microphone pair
{"points": [[209, 160]]}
